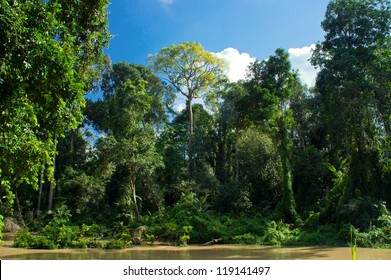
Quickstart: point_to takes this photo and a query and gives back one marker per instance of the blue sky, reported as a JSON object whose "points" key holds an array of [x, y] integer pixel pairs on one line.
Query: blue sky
{"points": [[237, 30]]}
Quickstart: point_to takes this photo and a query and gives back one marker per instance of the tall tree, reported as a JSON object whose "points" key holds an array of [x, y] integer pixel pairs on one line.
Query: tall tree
{"points": [[270, 86], [191, 71], [351, 88], [48, 61], [124, 116]]}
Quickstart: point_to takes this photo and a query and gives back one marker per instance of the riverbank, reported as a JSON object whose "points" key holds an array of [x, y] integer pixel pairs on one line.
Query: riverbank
{"points": [[218, 252], [193, 252]]}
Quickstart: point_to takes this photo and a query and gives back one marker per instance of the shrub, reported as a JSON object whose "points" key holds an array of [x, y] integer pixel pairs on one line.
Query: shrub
{"points": [[272, 235], [279, 233], [93, 230], [23, 239], [375, 237], [185, 231], [42, 242], [117, 244], [82, 243], [247, 238]]}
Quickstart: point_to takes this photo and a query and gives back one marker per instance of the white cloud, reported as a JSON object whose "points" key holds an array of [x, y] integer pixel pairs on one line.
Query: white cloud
{"points": [[180, 102], [167, 2], [179, 106], [300, 60], [237, 63], [236, 69]]}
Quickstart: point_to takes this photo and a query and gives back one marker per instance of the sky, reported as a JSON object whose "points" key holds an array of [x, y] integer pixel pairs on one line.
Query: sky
{"points": [[238, 31]]}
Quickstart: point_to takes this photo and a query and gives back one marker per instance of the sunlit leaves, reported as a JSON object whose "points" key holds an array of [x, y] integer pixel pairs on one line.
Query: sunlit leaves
{"points": [[47, 63], [187, 67]]}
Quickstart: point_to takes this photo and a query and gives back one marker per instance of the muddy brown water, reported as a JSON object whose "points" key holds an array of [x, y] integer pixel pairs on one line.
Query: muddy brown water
{"points": [[216, 252]]}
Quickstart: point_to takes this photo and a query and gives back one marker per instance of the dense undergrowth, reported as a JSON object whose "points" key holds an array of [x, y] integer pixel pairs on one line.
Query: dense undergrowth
{"points": [[187, 222]]}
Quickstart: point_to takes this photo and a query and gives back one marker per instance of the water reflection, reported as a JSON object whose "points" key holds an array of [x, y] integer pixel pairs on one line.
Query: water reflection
{"points": [[218, 252]]}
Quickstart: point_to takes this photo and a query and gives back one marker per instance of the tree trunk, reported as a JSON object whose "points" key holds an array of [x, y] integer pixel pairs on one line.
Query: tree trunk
{"points": [[40, 188], [191, 129], [134, 198], [71, 138], [18, 205], [219, 155], [302, 139], [221, 152], [237, 158], [212, 242], [71, 146], [287, 205], [52, 181], [51, 194]]}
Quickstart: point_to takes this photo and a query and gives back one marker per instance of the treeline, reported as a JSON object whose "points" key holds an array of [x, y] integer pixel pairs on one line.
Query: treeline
{"points": [[266, 160]]}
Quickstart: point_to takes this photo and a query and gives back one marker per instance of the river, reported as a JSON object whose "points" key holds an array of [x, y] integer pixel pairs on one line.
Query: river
{"points": [[216, 252]]}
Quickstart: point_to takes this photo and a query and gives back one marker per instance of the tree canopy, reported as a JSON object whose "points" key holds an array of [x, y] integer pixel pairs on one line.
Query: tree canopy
{"points": [[191, 71], [48, 61]]}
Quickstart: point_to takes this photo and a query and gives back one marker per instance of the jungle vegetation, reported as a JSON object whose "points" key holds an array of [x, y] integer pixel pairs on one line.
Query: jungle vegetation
{"points": [[264, 160]]}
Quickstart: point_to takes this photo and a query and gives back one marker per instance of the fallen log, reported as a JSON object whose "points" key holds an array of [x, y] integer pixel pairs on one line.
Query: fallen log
{"points": [[212, 242]]}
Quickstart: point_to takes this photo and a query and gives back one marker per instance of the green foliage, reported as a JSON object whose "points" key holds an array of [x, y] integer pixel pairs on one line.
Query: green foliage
{"points": [[59, 234], [312, 222], [378, 235], [82, 193], [63, 236], [375, 237], [310, 179], [279, 233], [322, 235], [92, 230], [47, 64], [55, 236], [260, 171], [245, 239], [184, 237], [181, 66], [60, 216], [351, 88], [335, 196], [191, 71], [272, 81], [117, 244], [271, 147], [24, 239], [129, 148]]}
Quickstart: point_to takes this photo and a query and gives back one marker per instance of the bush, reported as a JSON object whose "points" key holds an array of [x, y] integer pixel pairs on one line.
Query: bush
{"points": [[279, 233], [375, 238], [58, 234], [82, 243], [42, 242], [327, 235], [247, 238], [117, 244], [184, 238], [93, 230], [23, 239]]}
